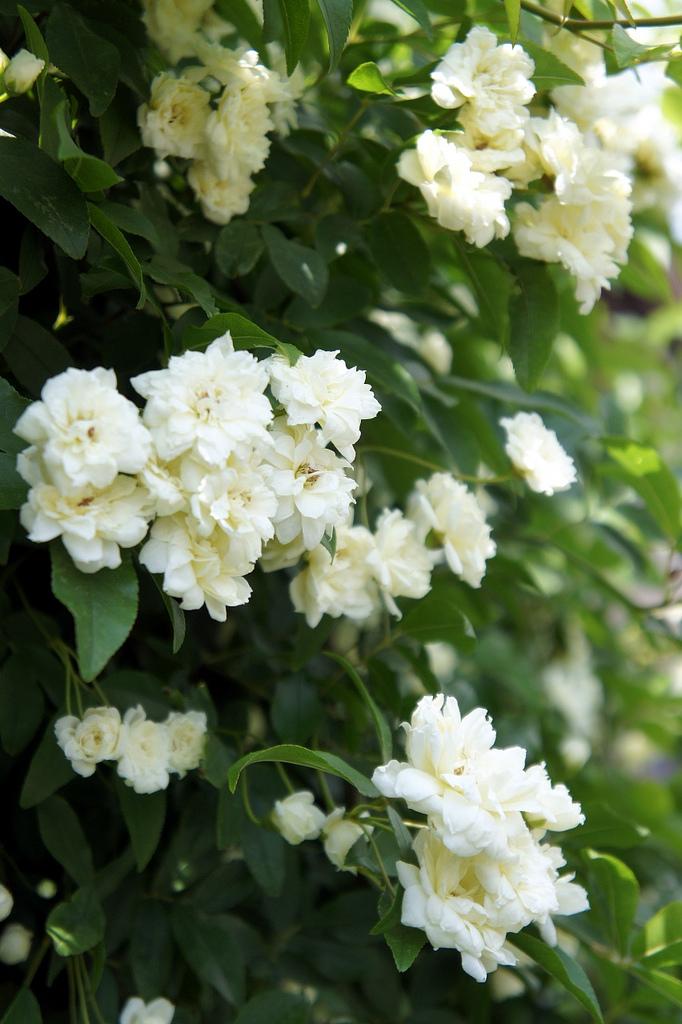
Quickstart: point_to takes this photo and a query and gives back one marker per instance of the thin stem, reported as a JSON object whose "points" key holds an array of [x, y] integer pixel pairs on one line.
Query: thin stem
{"points": [[282, 772], [578, 24], [375, 850], [36, 962], [247, 802], [92, 996], [434, 467], [326, 792], [82, 997], [331, 155]]}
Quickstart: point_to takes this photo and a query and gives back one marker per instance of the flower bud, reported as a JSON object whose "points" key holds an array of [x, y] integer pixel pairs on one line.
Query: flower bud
{"points": [[15, 944], [297, 818], [6, 902], [22, 71]]}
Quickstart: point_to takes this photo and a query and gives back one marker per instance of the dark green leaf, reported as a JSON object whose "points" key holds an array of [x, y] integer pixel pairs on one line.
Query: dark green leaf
{"points": [[49, 771], [405, 944], [9, 304], [533, 322], [275, 1008], [289, 753], [660, 941], [380, 724], [34, 37], [296, 22], [78, 924], [44, 193], [337, 15], [438, 617], [211, 950], [264, 853], [12, 488], [245, 334], [295, 710], [103, 604], [24, 1009], [563, 969], [144, 816], [92, 62], [63, 836], [216, 761], [614, 894], [238, 247], [21, 705], [176, 616], [399, 251], [666, 985], [151, 949], [417, 9], [118, 242], [302, 269], [34, 355]]}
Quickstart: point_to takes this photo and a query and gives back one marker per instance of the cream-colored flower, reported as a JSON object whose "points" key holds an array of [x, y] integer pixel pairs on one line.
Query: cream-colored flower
{"points": [[199, 570], [342, 586], [459, 197], [320, 389], [399, 561], [145, 752], [15, 944], [93, 524], [136, 1011], [537, 454], [173, 122], [297, 818], [172, 25], [6, 902], [88, 740], [187, 737], [221, 199], [86, 431], [237, 129], [340, 834], [443, 509], [22, 71]]}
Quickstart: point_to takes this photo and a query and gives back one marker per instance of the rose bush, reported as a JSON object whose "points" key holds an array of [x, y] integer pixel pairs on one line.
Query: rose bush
{"points": [[340, 671]]}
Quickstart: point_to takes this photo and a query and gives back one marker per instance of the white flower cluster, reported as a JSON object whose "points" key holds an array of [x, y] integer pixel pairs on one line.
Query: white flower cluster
{"points": [[86, 440], [146, 752], [217, 112], [136, 1011], [297, 818], [444, 523], [218, 471], [482, 871], [458, 172], [465, 176], [536, 453]]}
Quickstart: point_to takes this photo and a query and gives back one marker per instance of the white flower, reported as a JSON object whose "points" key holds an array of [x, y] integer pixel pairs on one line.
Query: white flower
{"points": [[165, 489], [344, 586], [235, 499], [313, 490], [289, 90], [136, 1011], [444, 897], [459, 197], [87, 741], [6, 902], [473, 794], [4, 60], [46, 889], [210, 403], [187, 736], [399, 561], [174, 121], [221, 199], [86, 430], [172, 25], [589, 240], [145, 751], [445, 508], [340, 834], [22, 71], [537, 455], [435, 349], [91, 523], [237, 130], [198, 570], [15, 944], [281, 556], [492, 80], [297, 818], [322, 389]]}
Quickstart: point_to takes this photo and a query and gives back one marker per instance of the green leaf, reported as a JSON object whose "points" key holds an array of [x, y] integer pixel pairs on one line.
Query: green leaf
{"points": [[12, 405], [12, 488], [533, 322], [216, 761], [405, 945], [63, 837], [264, 854], [563, 969], [644, 470], [337, 15], [392, 236], [144, 816], [118, 129], [296, 22], [275, 1008], [666, 985], [240, 14], [211, 950], [614, 895], [34, 355], [380, 724], [19, 718], [89, 172], [103, 604], [629, 52], [92, 62], [238, 248], [168, 271], [417, 10], [24, 1009], [49, 771], [368, 78], [302, 269], [34, 37], [549, 70], [660, 941], [44, 193], [244, 333], [492, 284], [438, 617], [118, 242], [78, 924], [513, 9], [176, 616], [289, 753], [295, 710], [151, 949], [10, 286]]}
